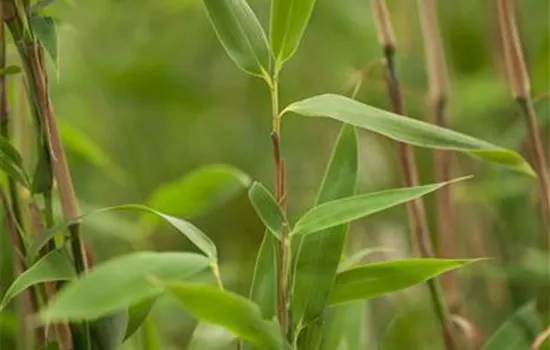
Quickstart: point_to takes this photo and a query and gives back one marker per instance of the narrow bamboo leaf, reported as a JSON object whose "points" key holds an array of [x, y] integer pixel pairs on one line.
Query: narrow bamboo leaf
{"points": [[42, 181], [230, 311], [55, 266], [210, 337], [267, 209], [518, 332], [346, 327], [45, 30], [289, 19], [119, 283], [264, 281], [356, 258], [11, 163], [107, 333], [342, 211], [241, 34], [199, 191], [194, 234], [10, 70], [318, 255], [137, 314], [407, 130], [374, 280]]}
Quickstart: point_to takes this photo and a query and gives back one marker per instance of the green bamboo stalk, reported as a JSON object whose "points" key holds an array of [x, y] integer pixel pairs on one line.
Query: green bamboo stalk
{"points": [[416, 211]]}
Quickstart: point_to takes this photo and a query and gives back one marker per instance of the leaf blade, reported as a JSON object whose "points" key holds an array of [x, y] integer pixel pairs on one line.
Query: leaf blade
{"points": [[406, 130], [267, 209]]}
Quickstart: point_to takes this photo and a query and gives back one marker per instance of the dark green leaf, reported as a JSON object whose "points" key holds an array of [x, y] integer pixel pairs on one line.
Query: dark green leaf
{"points": [[55, 266], [289, 19], [375, 280], [45, 30], [264, 281], [318, 255], [518, 332], [11, 163], [406, 130], [267, 209], [120, 283], [108, 331], [345, 210], [10, 70], [230, 311], [241, 34], [42, 181], [137, 314]]}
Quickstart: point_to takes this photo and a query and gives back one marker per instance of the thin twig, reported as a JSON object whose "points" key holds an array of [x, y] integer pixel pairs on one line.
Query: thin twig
{"points": [[415, 208]]}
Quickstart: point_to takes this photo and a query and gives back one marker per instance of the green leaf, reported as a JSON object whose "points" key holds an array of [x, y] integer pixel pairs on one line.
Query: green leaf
{"points": [[230, 311], [210, 337], [241, 34], [518, 332], [318, 256], [119, 283], [137, 314], [289, 19], [264, 281], [356, 258], [12, 163], [45, 30], [55, 266], [406, 130], [194, 234], [267, 209], [374, 280], [10, 70], [346, 327], [342, 211], [42, 181], [107, 333], [199, 191]]}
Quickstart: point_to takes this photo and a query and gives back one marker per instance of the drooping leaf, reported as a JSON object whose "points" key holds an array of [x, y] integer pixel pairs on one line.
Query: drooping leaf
{"points": [[107, 333], [55, 266], [318, 255], [375, 280], [137, 314], [10, 70], [45, 30], [518, 332], [345, 210], [267, 209], [119, 283], [194, 234], [199, 191], [241, 34], [230, 311], [406, 130], [289, 19], [12, 163], [210, 337], [264, 281]]}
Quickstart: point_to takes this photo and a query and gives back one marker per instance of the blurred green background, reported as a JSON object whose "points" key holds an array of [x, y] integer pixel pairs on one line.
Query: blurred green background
{"points": [[146, 94]]}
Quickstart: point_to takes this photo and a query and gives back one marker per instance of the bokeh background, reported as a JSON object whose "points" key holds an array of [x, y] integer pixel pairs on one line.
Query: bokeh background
{"points": [[145, 94]]}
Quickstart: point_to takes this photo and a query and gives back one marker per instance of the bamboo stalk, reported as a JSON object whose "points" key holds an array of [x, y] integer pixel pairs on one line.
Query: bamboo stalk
{"points": [[416, 211], [438, 97]]}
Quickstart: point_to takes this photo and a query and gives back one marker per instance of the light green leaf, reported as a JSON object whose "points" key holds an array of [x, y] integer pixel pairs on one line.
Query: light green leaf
{"points": [[241, 34], [356, 258], [10, 70], [264, 281], [289, 19], [518, 332], [137, 314], [210, 337], [55, 266], [230, 311], [45, 30], [199, 191], [375, 280], [119, 283], [318, 256], [406, 130], [194, 234], [346, 327], [267, 209], [11, 163], [342, 211]]}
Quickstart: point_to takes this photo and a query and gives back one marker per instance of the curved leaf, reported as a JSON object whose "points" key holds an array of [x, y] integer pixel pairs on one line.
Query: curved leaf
{"points": [[267, 209], [119, 283], [55, 266], [12, 163], [406, 130], [137, 314], [289, 19], [199, 191], [230, 311], [241, 34], [341, 211], [45, 30], [357, 257], [108, 331], [374, 280]]}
